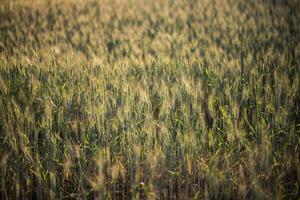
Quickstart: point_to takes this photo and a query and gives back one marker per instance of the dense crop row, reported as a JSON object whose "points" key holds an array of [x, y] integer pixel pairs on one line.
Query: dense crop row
{"points": [[149, 99]]}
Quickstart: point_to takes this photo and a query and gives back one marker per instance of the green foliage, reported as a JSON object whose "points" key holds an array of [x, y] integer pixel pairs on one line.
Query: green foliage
{"points": [[149, 99]]}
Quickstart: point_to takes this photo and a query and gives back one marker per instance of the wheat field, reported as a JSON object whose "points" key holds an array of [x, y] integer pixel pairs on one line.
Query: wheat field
{"points": [[149, 99]]}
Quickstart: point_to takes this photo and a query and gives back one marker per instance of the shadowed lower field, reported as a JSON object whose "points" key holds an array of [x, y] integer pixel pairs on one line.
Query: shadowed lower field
{"points": [[152, 99]]}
